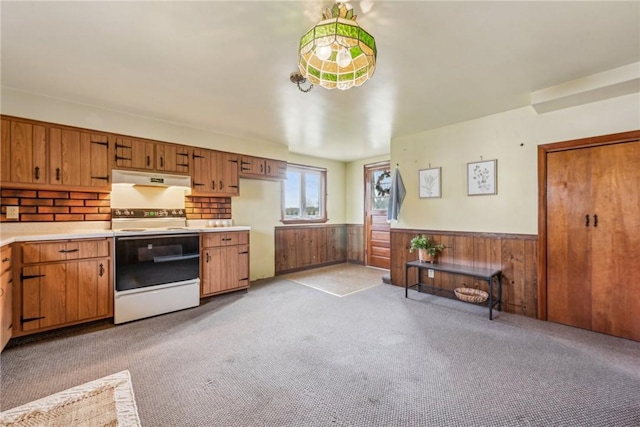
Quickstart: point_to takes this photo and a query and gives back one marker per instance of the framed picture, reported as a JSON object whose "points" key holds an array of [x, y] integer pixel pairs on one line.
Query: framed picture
{"points": [[482, 178], [430, 183]]}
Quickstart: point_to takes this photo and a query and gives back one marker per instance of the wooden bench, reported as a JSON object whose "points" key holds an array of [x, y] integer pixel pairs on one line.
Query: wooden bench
{"points": [[486, 274]]}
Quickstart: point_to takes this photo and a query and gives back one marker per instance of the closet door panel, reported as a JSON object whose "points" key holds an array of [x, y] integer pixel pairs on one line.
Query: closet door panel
{"points": [[568, 237], [615, 240]]}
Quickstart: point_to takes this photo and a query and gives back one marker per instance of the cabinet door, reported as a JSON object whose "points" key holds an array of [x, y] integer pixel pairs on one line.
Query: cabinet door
{"points": [[94, 164], [201, 174], [123, 152], [65, 293], [224, 177], [142, 154], [6, 313], [229, 167], [5, 151], [24, 152], [276, 169], [238, 262], [251, 165], [65, 157], [213, 271], [172, 158]]}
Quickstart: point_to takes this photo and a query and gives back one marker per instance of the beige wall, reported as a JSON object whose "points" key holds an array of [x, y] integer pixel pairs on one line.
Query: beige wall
{"points": [[355, 188], [22, 104], [512, 138]]}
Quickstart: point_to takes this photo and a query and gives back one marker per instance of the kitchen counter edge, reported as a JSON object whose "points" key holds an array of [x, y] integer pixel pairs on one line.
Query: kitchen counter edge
{"points": [[8, 238]]}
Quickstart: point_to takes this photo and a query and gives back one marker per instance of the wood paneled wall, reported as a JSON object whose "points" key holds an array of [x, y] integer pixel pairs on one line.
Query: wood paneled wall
{"points": [[515, 254], [355, 243], [307, 246]]}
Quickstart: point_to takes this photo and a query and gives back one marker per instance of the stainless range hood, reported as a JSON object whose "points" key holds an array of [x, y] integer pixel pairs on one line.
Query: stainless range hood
{"points": [[151, 179]]}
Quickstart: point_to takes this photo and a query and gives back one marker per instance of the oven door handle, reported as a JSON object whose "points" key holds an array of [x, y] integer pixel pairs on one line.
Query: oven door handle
{"points": [[144, 236], [168, 258]]}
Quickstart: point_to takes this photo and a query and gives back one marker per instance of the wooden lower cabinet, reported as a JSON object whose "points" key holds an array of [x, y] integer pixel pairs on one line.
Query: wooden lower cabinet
{"points": [[6, 297], [62, 293], [225, 262]]}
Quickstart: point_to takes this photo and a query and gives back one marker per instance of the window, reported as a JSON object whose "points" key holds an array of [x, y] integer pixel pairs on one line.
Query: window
{"points": [[303, 195]]}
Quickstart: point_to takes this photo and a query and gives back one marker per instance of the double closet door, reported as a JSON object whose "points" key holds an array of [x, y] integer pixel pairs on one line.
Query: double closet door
{"points": [[593, 238]]}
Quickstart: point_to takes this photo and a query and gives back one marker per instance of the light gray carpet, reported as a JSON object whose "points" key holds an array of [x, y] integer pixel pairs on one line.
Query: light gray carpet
{"points": [[288, 355]]}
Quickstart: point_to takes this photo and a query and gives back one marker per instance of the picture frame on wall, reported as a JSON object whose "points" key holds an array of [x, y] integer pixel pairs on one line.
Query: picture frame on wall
{"points": [[482, 178], [430, 183]]}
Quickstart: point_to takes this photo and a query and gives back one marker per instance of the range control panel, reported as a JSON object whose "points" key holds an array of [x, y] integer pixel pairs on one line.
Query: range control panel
{"points": [[147, 213]]}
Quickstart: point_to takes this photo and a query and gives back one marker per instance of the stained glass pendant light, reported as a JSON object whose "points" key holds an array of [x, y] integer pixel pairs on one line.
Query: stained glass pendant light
{"points": [[337, 52]]}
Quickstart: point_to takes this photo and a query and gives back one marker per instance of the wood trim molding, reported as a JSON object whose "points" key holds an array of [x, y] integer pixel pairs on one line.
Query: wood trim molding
{"points": [[467, 233], [543, 150]]}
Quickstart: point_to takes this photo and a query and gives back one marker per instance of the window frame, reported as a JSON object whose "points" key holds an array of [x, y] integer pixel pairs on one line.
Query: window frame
{"points": [[323, 195]]}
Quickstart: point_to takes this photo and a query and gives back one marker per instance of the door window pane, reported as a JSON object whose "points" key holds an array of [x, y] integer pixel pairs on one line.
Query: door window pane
{"points": [[381, 185]]}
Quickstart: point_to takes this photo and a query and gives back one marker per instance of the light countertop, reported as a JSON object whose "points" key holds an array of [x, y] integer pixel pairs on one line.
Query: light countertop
{"points": [[37, 232]]}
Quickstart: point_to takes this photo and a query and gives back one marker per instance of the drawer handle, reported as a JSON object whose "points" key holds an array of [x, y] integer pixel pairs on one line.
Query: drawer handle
{"points": [[101, 270], [6, 259], [30, 319], [68, 251]]}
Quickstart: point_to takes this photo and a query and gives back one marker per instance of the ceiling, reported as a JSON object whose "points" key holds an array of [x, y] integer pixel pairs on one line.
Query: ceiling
{"points": [[224, 66]]}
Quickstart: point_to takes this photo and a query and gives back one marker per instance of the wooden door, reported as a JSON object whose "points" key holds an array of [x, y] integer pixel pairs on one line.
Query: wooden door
{"points": [[615, 240], [213, 271], [377, 186], [568, 261], [172, 158], [6, 313], [593, 238]]}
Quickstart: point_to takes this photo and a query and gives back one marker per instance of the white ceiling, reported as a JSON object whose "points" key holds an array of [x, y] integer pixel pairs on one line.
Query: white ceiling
{"points": [[224, 66]]}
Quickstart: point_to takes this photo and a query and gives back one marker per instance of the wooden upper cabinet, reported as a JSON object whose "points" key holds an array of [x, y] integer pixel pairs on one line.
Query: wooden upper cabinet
{"points": [[214, 173], [201, 171], [172, 158], [225, 174], [24, 149], [134, 153], [259, 168], [78, 158]]}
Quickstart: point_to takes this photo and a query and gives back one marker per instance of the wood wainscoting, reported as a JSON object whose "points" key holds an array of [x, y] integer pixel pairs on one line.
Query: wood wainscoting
{"points": [[515, 254], [301, 247], [355, 243]]}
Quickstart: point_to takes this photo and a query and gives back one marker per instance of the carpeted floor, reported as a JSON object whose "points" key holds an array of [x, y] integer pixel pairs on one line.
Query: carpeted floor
{"points": [[339, 280], [287, 355]]}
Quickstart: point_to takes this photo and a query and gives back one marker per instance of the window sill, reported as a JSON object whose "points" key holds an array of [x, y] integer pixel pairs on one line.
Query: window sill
{"points": [[304, 221]]}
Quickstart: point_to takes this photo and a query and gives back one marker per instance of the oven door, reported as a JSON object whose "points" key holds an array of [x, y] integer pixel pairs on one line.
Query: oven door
{"points": [[151, 260]]}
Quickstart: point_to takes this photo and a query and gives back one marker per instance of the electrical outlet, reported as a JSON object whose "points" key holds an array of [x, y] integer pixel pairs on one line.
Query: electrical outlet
{"points": [[431, 273], [13, 212]]}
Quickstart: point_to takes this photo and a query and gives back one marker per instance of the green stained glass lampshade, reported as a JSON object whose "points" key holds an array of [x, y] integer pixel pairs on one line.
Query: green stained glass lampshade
{"points": [[351, 59]]}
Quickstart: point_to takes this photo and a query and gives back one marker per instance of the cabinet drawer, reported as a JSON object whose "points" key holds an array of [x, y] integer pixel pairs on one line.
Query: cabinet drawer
{"points": [[5, 256], [225, 239], [64, 250]]}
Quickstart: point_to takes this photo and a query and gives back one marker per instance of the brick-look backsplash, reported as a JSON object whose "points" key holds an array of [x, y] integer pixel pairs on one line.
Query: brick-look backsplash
{"points": [[208, 207], [47, 206]]}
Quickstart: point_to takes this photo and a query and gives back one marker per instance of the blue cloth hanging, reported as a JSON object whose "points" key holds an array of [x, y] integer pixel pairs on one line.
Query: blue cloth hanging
{"points": [[396, 196]]}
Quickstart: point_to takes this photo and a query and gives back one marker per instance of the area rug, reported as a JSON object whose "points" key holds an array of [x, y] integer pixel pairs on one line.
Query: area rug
{"points": [[339, 280], [108, 401]]}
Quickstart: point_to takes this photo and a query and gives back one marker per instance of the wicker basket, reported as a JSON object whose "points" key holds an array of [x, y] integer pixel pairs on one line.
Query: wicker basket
{"points": [[471, 295]]}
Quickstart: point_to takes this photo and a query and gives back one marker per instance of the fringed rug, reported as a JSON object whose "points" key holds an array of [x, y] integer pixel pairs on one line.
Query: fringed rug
{"points": [[108, 401]]}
